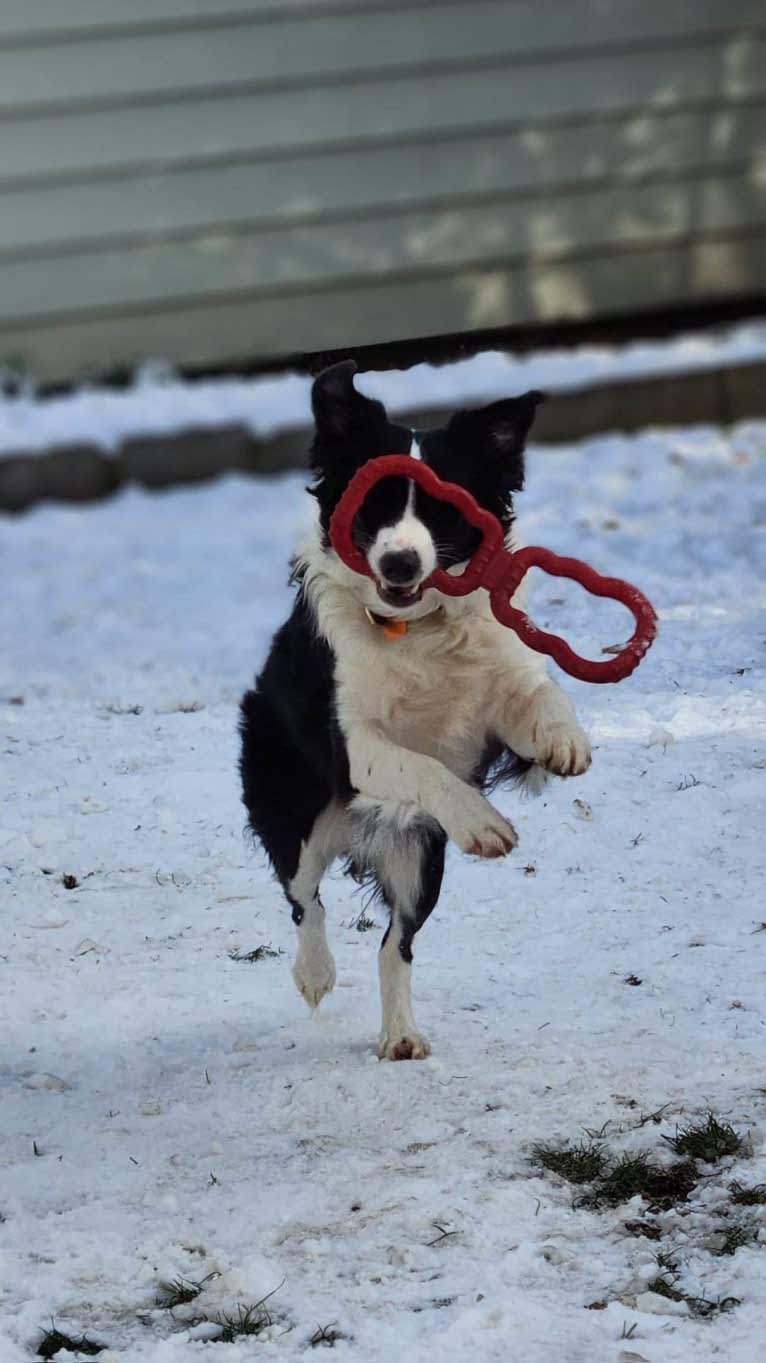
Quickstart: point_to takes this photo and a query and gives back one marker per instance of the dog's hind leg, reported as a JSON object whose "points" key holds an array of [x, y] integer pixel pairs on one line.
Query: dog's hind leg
{"points": [[407, 857]]}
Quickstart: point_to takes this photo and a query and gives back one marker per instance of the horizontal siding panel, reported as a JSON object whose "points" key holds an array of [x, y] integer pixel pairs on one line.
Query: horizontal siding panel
{"points": [[25, 18], [557, 22], [285, 120], [700, 271], [411, 244], [311, 49], [383, 177], [304, 49]]}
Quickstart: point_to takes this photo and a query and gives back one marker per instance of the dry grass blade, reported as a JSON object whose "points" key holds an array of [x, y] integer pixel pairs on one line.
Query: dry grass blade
{"points": [[326, 1334]]}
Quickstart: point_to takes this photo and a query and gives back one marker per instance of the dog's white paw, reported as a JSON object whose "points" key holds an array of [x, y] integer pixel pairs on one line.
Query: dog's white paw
{"points": [[314, 975], [403, 1046], [563, 749], [479, 829]]}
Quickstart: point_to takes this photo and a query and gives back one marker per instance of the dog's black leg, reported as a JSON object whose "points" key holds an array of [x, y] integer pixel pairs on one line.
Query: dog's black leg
{"points": [[302, 827], [407, 858]]}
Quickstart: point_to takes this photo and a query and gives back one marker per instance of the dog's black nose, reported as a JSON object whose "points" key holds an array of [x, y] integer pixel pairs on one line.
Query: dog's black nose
{"points": [[401, 567]]}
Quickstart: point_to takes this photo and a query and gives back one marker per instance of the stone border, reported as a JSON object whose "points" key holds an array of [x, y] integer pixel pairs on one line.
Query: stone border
{"points": [[84, 472]]}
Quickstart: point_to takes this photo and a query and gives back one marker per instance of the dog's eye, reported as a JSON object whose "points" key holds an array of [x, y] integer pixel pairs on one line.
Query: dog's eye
{"points": [[455, 539], [385, 504], [360, 535]]}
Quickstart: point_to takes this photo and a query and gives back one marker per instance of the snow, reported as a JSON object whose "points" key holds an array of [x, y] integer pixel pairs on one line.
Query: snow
{"points": [[168, 1111], [160, 403]]}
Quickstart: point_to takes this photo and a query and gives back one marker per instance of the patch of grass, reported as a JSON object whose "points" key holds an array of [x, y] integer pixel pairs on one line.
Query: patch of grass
{"points": [[733, 1239], [698, 1306], [688, 782], [326, 1334], [55, 1341], [363, 922], [664, 1287], [708, 1141], [248, 1320], [576, 1163], [435, 1304], [748, 1197], [639, 1175], [177, 1292], [259, 954]]}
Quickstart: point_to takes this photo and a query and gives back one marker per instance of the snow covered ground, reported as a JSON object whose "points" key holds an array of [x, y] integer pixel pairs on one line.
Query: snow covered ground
{"points": [[160, 403], [167, 1111]]}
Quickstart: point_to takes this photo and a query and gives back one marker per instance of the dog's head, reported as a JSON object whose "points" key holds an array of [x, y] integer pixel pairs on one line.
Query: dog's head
{"points": [[404, 532]]}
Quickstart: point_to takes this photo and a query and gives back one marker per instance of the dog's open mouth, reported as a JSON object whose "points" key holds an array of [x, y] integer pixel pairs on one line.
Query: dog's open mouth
{"points": [[399, 597]]}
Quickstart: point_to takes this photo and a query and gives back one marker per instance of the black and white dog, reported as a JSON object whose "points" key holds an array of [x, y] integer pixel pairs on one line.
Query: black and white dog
{"points": [[384, 711]]}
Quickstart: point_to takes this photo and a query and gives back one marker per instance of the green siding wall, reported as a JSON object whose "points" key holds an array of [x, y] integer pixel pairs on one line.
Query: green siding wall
{"points": [[210, 181]]}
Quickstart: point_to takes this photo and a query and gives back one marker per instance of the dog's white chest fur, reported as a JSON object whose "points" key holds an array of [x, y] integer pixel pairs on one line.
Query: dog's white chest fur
{"points": [[427, 691], [434, 690]]}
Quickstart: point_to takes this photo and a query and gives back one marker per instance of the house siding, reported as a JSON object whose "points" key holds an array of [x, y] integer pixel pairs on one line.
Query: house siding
{"points": [[215, 182]]}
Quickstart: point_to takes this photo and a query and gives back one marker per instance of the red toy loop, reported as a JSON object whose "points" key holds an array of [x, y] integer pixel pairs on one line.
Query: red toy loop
{"points": [[499, 570]]}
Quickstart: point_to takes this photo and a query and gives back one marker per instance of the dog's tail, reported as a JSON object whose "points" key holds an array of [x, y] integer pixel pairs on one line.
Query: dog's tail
{"points": [[503, 767]]}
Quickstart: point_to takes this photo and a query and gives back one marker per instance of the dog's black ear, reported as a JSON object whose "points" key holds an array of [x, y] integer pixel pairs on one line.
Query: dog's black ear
{"points": [[499, 432], [338, 408]]}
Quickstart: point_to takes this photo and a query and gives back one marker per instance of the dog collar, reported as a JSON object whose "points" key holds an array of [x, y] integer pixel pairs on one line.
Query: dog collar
{"points": [[391, 627]]}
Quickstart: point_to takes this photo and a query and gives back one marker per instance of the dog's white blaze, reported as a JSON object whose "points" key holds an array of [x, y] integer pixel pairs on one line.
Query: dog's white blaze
{"points": [[408, 533]]}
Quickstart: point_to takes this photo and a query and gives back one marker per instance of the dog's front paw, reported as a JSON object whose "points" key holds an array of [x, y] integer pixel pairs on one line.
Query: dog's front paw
{"points": [[563, 749], [403, 1046], [314, 975], [479, 829]]}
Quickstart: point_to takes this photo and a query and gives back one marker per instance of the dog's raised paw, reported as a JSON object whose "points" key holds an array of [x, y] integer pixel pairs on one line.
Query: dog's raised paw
{"points": [[413, 1046], [479, 829], [563, 750], [489, 845]]}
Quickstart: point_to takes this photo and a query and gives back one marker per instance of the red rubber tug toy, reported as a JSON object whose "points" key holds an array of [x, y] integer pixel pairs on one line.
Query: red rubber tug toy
{"points": [[500, 571]]}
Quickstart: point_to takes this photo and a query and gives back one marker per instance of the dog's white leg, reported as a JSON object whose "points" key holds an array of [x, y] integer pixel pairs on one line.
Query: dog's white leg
{"points": [[399, 1036], [314, 969], [385, 771], [405, 853], [538, 722]]}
